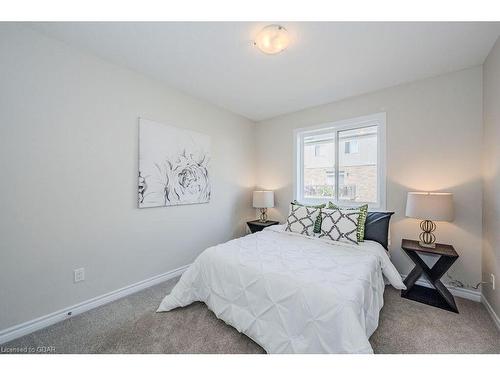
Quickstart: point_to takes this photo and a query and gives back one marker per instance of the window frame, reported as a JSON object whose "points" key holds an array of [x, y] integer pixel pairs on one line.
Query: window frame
{"points": [[376, 119]]}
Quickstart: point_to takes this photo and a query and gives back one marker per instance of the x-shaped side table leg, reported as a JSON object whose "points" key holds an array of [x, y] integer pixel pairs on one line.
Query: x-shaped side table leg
{"points": [[442, 296]]}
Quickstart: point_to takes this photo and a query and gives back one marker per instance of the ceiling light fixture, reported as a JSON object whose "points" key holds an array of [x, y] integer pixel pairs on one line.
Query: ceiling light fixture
{"points": [[272, 39]]}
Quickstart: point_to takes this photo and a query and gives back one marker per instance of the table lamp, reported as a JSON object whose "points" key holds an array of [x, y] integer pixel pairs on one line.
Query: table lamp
{"points": [[263, 199], [429, 207]]}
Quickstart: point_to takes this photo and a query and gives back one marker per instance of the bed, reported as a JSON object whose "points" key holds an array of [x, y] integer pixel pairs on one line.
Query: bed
{"points": [[292, 293]]}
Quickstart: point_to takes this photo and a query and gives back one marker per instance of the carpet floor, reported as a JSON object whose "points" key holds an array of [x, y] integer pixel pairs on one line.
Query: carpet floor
{"points": [[130, 325]]}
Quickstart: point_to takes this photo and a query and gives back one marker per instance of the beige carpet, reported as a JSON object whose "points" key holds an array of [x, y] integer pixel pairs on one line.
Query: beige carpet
{"points": [[130, 325]]}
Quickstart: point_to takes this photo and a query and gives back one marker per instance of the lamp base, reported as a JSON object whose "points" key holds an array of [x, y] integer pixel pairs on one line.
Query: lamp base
{"points": [[263, 215], [427, 238], [427, 245]]}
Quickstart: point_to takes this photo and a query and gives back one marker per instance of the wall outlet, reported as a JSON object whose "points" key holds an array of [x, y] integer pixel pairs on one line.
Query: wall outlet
{"points": [[492, 281], [79, 275]]}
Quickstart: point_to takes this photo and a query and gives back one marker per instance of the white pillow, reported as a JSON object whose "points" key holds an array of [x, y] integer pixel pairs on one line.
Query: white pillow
{"points": [[301, 219], [339, 225]]}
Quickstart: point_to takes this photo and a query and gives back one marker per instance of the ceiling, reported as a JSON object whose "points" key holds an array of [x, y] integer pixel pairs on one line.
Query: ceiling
{"points": [[326, 61]]}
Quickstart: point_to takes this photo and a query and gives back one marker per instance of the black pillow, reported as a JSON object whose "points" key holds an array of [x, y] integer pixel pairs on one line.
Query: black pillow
{"points": [[377, 227]]}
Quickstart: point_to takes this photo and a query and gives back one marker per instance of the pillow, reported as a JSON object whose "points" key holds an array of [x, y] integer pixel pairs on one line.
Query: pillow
{"points": [[377, 227], [340, 225], [361, 221], [317, 223], [301, 219]]}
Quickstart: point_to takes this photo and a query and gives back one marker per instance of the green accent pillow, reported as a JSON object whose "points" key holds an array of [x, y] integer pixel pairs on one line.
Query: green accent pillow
{"points": [[363, 213], [317, 223]]}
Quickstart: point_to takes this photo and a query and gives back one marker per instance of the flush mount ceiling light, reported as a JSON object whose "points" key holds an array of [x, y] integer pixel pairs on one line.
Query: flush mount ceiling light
{"points": [[272, 39]]}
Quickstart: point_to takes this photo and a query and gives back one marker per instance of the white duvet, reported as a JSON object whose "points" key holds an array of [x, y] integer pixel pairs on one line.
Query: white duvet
{"points": [[291, 293]]}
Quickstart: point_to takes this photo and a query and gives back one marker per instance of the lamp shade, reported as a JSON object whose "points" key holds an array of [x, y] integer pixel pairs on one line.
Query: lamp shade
{"points": [[430, 206], [263, 199]]}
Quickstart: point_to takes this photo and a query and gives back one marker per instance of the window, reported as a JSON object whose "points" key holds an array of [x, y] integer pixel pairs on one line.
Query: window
{"points": [[317, 150], [342, 162], [351, 147]]}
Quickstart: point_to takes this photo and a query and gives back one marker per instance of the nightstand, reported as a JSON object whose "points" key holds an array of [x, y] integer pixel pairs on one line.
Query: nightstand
{"points": [[257, 226], [439, 297]]}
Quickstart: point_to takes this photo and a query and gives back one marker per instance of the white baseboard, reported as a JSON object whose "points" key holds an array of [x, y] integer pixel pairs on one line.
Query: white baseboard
{"points": [[490, 310], [473, 295], [49, 319]]}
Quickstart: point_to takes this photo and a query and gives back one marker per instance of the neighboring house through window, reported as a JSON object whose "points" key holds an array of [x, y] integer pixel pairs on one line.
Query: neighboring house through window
{"points": [[343, 162], [351, 147]]}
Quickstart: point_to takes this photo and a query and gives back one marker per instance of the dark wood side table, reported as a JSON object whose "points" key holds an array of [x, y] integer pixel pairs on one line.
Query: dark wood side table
{"points": [[439, 297], [257, 226]]}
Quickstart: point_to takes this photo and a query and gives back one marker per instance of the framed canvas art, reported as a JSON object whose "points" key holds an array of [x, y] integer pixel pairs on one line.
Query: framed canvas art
{"points": [[173, 165]]}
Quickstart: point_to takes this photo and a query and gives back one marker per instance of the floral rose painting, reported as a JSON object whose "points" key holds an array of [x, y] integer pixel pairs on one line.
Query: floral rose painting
{"points": [[173, 165]]}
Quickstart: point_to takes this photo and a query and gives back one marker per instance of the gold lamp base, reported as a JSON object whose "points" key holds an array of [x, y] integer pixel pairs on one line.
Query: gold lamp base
{"points": [[427, 238], [263, 215], [427, 245]]}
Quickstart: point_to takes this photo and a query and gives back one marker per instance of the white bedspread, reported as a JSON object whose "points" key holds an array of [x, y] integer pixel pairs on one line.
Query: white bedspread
{"points": [[290, 293]]}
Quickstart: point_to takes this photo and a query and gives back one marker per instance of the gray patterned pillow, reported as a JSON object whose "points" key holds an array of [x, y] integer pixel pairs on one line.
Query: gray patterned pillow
{"points": [[317, 224], [301, 219], [340, 225], [363, 214]]}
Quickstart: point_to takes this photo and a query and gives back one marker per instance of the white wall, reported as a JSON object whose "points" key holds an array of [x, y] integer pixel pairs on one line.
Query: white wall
{"points": [[491, 169], [68, 160], [434, 131]]}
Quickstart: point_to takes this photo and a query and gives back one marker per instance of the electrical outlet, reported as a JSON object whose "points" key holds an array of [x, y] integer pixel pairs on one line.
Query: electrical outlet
{"points": [[79, 275], [492, 281]]}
